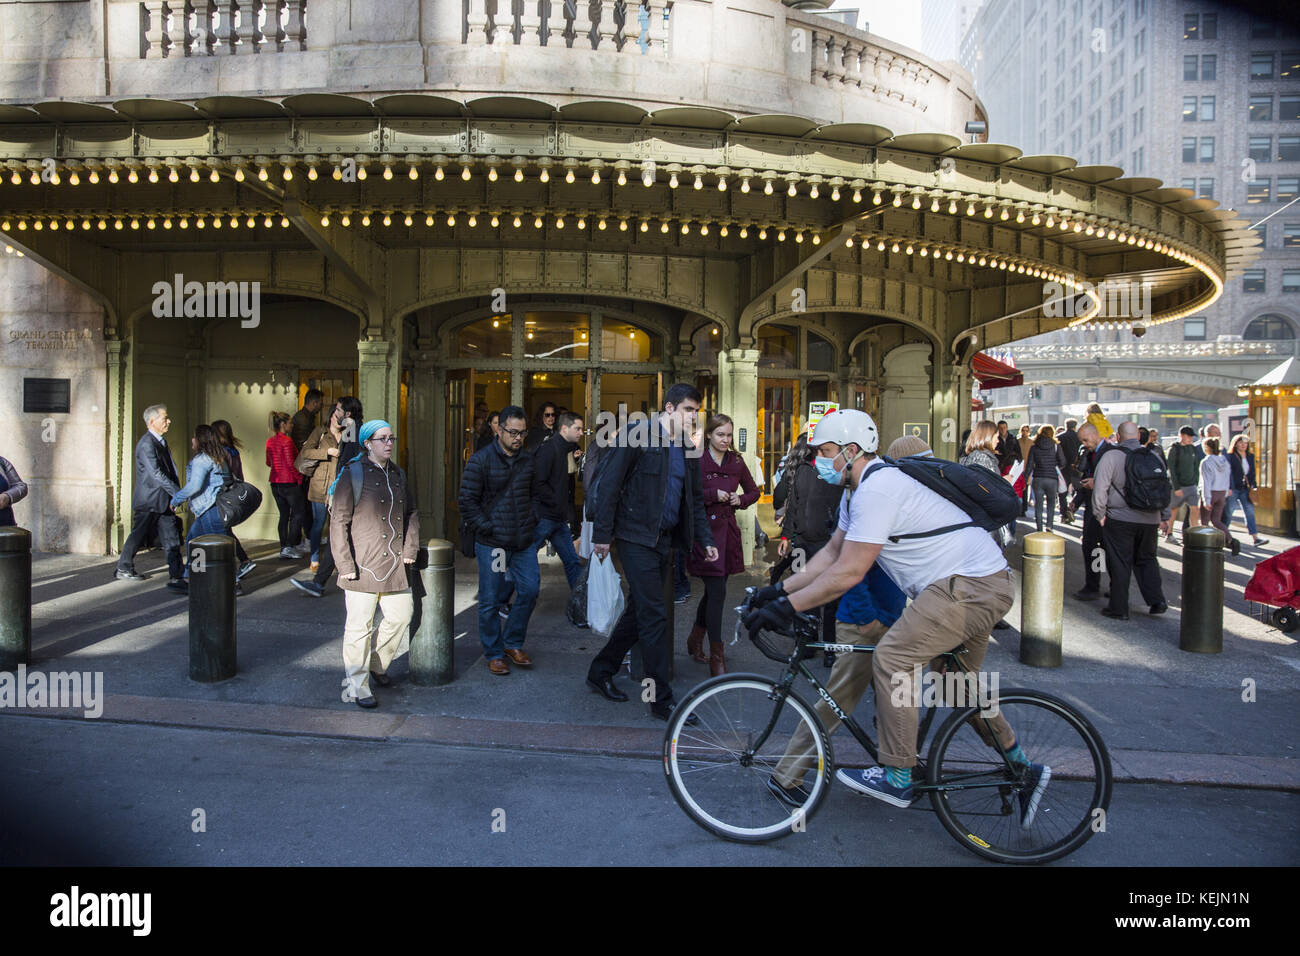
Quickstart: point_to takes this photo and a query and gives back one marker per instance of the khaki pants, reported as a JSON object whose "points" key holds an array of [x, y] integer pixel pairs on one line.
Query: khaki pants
{"points": [[849, 680], [949, 612], [391, 640]]}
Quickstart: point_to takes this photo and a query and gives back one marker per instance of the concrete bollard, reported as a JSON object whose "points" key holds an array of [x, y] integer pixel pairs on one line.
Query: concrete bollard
{"points": [[212, 607], [432, 640], [1042, 593], [15, 597], [1200, 628]]}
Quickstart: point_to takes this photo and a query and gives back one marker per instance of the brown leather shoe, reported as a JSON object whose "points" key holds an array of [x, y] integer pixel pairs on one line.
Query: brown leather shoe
{"points": [[498, 666], [518, 656], [695, 645], [717, 659]]}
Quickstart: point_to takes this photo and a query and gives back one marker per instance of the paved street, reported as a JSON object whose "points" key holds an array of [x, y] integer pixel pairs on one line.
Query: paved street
{"points": [[104, 793]]}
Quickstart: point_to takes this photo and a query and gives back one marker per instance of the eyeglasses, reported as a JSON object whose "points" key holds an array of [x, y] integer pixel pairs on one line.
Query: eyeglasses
{"points": [[386, 439], [514, 432], [549, 415]]}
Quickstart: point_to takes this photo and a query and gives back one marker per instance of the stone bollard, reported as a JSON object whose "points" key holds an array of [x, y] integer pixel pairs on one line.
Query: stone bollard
{"points": [[212, 607], [1201, 626], [1042, 594], [432, 640], [15, 597]]}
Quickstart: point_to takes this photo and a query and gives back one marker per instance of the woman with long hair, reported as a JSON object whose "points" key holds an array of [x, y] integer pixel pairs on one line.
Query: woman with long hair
{"points": [[226, 435], [206, 474], [1041, 464], [723, 477], [1216, 478], [1241, 461], [331, 444], [286, 485], [982, 452]]}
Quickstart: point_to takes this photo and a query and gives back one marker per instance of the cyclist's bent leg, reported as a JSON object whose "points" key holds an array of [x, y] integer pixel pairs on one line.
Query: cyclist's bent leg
{"points": [[953, 610], [849, 680]]}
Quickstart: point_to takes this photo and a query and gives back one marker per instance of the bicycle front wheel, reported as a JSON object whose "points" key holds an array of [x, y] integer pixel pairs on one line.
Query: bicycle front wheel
{"points": [[721, 771], [1019, 814]]}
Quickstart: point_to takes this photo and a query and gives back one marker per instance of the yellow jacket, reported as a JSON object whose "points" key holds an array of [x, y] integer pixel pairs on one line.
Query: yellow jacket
{"points": [[1101, 424]]}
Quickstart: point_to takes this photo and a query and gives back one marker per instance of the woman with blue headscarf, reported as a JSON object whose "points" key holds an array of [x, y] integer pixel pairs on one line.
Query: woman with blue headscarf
{"points": [[374, 535]]}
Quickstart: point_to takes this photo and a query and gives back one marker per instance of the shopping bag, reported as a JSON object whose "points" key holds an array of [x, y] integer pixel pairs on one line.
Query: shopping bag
{"points": [[1062, 486], [604, 595], [1016, 470], [576, 611]]}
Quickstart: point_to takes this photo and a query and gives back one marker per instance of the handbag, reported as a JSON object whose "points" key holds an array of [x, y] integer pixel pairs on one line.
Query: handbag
{"points": [[306, 466], [237, 501]]}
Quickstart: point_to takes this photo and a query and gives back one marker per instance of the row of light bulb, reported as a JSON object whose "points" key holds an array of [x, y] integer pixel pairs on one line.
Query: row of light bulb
{"points": [[960, 255], [135, 222]]}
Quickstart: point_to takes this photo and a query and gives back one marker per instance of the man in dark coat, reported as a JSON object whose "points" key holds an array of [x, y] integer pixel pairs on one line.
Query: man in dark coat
{"points": [[498, 491], [1070, 445], [154, 485], [648, 497], [555, 494], [304, 420]]}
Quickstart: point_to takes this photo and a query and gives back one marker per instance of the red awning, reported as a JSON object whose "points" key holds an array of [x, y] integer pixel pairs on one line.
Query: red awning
{"points": [[994, 374]]}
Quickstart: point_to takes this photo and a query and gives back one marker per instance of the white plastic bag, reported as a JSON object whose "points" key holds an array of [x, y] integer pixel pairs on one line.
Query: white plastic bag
{"points": [[584, 542], [1015, 471], [604, 595]]}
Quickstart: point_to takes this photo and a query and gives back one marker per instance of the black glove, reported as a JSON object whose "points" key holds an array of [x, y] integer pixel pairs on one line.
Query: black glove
{"points": [[767, 595], [775, 616]]}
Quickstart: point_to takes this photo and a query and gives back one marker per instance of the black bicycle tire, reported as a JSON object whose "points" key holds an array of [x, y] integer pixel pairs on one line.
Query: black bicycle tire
{"points": [[684, 708], [1078, 837]]}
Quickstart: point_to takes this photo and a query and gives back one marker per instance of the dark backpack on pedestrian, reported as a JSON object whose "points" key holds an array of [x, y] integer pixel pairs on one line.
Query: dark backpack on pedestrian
{"points": [[989, 499], [1146, 480]]}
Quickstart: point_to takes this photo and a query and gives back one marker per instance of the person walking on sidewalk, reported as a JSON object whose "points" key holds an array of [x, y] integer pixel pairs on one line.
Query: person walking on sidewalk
{"points": [[1242, 462], [1093, 447], [286, 485], [1216, 478], [155, 482], [226, 435], [1008, 448], [207, 473], [728, 487], [1070, 446], [649, 499], [1184, 476], [498, 491], [374, 537], [12, 490], [1023, 445], [1129, 533], [330, 444], [555, 495], [304, 420], [981, 452], [1042, 463]]}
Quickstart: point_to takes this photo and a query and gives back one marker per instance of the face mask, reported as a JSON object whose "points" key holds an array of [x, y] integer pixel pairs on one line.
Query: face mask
{"points": [[826, 471]]}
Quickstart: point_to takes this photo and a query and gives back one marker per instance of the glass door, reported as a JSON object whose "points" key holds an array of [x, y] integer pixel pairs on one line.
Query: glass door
{"points": [[778, 424]]}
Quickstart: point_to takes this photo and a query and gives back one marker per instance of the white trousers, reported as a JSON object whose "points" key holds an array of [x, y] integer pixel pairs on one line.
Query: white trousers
{"points": [[391, 640]]}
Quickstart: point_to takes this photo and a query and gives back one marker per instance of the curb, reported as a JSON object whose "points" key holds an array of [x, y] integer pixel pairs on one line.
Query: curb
{"points": [[1129, 766]]}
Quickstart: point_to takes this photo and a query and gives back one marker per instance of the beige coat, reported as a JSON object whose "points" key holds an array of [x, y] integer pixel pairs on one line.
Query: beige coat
{"points": [[371, 538], [318, 447]]}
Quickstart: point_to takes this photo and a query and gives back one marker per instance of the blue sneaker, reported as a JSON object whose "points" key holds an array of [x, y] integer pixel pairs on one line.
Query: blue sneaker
{"points": [[1035, 784], [872, 782]]}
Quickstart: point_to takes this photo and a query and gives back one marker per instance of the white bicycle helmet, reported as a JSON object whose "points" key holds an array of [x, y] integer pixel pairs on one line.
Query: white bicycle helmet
{"points": [[847, 425]]}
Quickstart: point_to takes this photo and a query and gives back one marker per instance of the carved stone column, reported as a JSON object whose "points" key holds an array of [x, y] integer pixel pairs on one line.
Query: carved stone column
{"points": [[738, 396]]}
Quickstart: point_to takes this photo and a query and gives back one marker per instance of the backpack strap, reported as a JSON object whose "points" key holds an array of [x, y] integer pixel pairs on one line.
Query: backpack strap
{"points": [[895, 538]]}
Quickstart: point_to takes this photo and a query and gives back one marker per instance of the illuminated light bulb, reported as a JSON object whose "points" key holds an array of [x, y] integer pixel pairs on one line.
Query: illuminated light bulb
{"points": [[798, 236], [704, 229], [622, 178], [722, 184], [880, 246], [559, 222], [600, 223], [55, 180], [1078, 226], [948, 255], [672, 181], [848, 243], [388, 172], [311, 174], [438, 173], [1089, 231], [35, 179], [908, 250], [284, 222], [722, 231], [496, 323], [194, 176], [780, 235], [544, 176], [153, 175], [898, 201], [663, 225], [595, 177], [167, 223], [74, 179], [1035, 220], [982, 260], [387, 220], [622, 225], [988, 212], [465, 173], [473, 220], [365, 219], [934, 204], [518, 222], [744, 232], [428, 219], [16, 179], [199, 223], [1065, 225], [173, 176], [117, 225], [813, 192], [762, 233], [407, 220], [135, 224], [345, 220], [85, 224], [414, 173], [325, 221], [492, 174], [767, 188], [916, 202], [970, 209], [519, 175], [495, 221], [875, 197], [336, 174], [744, 185], [924, 252], [530, 335], [857, 195], [699, 182], [38, 225], [251, 222], [569, 177], [817, 240], [262, 174], [451, 219], [582, 222], [1004, 215], [1051, 220], [645, 225], [686, 228], [835, 194], [894, 247]]}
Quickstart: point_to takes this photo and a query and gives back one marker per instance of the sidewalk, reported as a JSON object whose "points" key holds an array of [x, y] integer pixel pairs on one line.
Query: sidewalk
{"points": [[1166, 715]]}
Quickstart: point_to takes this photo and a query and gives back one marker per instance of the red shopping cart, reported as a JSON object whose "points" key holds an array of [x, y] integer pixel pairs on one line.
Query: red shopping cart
{"points": [[1276, 583]]}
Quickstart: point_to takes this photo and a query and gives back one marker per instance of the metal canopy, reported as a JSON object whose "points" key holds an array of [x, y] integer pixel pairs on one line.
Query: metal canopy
{"points": [[412, 105], [327, 104], [775, 124], [862, 134], [995, 153], [239, 107]]}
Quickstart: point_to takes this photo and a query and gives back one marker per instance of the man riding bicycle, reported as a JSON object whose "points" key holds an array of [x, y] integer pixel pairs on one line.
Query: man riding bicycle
{"points": [[958, 582]]}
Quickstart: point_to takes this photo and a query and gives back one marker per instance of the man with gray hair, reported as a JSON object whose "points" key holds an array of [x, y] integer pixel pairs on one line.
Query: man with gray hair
{"points": [[151, 493], [1128, 532]]}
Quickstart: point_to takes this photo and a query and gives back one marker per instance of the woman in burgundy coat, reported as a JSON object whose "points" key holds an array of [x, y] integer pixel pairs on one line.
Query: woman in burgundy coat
{"points": [[724, 476]]}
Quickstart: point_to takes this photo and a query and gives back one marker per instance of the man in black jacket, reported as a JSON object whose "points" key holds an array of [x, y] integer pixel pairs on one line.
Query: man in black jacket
{"points": [[1070, 445], [151, 494], [497, 494], [649, 497], [555, 495], [1008, 447]]}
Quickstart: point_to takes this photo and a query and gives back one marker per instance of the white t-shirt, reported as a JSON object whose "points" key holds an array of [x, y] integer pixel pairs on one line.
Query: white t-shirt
{"points": [[891, 503]]}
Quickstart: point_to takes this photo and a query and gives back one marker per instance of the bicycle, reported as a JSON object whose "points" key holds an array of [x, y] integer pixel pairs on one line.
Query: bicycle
{"points": [[720, 770]]}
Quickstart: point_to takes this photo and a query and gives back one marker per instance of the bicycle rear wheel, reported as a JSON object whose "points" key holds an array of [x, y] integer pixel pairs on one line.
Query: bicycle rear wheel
{"points": [[718, 771], [984, 804]]}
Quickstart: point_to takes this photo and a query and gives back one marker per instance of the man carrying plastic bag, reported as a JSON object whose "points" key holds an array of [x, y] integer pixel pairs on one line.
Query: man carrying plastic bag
{"points": [[646, 494]]}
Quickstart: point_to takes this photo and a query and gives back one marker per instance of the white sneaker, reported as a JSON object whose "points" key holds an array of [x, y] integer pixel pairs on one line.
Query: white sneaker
{"points": [[289, 554]]}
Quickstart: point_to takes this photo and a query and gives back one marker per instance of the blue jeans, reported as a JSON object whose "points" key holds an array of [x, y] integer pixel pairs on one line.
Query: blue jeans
{"points": [[1241, 497], [557, 532], [318, 515], [524, 572], [207, 523]]}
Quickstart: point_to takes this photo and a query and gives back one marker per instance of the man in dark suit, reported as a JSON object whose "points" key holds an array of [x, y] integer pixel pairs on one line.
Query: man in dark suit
{"points": [[1070, 445], [155, 482], [649, 497]]}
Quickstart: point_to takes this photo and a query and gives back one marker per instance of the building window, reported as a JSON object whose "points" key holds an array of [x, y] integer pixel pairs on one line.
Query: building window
{"points": [[777, 346], [1261, 229], [1194, 329], [821, 354], [1262, 29], [1189, 149], [1290, 66], [1139, 81], [1291, 235], [1258, 191], [1139, 120], [1207, 109], [1139, 43], [1207, 189], [1269, 328], [1288, 149], [1260, 110], [1189, 185], [1290, 107], [1210, 26], [1252, 280], [1261, 66], [1189, 109], [1291, 280], [1209, 66], [1207, 149], [1288, 188], [1189, 66], [1260, 149], [1139, 9], [1191, 26]]}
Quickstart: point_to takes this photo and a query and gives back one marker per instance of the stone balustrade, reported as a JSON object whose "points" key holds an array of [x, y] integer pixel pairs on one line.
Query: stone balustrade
{"points": [[1150, 350], [182, 28], [618, 26]]}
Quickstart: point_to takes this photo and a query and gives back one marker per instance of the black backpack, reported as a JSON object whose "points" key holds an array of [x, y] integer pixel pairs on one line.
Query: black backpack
{"points": [[1146, 480], [989, 499]]}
